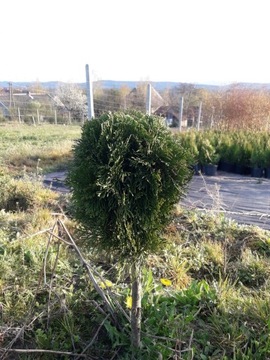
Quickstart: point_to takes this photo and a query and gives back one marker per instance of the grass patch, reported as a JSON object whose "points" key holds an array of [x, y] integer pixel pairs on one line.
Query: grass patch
{"points": [[43, 148], [198, 303], [206, 295]]}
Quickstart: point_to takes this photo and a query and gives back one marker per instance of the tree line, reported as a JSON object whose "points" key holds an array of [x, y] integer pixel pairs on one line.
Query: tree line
{"points": [[234, 106], [231, 107]]}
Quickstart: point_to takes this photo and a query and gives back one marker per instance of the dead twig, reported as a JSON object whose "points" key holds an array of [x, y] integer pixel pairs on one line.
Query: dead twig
{"points": [[94, 337], [51, 282], [43, 351], [7, 349], [46, 253], [107, 301]]}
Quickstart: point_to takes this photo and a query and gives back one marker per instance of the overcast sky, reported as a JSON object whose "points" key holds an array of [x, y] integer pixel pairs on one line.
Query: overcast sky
{"points": [[198, 41]]}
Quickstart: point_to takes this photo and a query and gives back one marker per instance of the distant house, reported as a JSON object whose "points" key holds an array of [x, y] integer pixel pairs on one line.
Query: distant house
{"points": [[25, 104], [21, 99], [171, 114]]}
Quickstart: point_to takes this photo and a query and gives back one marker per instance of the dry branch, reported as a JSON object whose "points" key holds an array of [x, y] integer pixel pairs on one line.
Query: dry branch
{"points": [[43, 351]]}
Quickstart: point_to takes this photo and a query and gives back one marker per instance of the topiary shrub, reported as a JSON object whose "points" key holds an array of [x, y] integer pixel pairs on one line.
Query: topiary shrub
{"points": [[128, 173]]}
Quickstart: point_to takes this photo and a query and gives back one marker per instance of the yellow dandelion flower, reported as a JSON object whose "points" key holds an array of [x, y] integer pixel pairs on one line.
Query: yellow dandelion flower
{"points": [[129, 302], [165, 282], [106, 284]]}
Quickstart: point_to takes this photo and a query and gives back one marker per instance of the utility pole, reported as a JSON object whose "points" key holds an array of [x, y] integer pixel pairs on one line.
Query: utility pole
{"points": [[181, 113], [89, 90], [148, 100]]}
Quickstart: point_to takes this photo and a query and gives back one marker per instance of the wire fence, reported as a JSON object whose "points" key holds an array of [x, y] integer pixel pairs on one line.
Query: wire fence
{"points": [[69, 104], [37, 108], [182, 106], [176, 109]]}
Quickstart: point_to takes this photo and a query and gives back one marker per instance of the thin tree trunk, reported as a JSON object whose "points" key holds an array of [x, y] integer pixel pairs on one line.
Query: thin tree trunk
{"points": [[136, 306]]}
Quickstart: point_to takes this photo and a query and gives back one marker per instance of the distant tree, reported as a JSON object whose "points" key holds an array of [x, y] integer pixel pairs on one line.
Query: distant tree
{"points": [[124, 91], [136, 99], [34, 105], [73, 99], [107, 100], [211, 107], [112, 99], [233, 107], [188, 91], [36, 87], [244, 107]]}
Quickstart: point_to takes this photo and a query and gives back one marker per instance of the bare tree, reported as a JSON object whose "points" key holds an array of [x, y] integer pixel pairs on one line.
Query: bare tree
{"points": [[73, 99]]}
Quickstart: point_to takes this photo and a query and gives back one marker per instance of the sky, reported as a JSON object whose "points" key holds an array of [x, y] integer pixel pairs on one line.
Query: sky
{"points": [[195, 41]]}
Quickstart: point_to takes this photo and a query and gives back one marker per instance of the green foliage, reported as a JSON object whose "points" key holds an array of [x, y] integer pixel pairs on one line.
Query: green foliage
{"points": [[208, 153], [243, 147], [189, 141], [252, 270], [23, 194], [127, 174]]}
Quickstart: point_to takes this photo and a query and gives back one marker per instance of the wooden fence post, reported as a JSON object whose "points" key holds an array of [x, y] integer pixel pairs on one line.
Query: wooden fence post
{"points": [[148, 100], [19, 116], [199, 116]]}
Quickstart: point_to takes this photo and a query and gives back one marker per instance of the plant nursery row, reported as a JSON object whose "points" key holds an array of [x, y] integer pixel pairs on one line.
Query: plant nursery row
{"points": [[243, 152]]}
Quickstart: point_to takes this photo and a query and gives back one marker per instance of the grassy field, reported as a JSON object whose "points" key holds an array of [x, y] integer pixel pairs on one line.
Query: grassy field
{"points": [[206, 295], [24, 148]]}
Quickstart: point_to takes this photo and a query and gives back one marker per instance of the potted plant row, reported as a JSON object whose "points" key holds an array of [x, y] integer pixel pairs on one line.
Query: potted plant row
{"points": [[242, 152], [208, 157]]}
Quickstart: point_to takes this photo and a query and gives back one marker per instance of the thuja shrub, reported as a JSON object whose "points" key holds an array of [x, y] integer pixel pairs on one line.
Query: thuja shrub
{"points": [[128, 172]]}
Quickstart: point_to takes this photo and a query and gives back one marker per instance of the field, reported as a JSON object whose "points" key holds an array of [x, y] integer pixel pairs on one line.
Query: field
{"points": [[24, 148], [206, 295]]}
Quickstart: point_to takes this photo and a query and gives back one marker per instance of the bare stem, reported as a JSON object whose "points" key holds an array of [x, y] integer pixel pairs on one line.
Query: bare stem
{"points": [[136, 306]]}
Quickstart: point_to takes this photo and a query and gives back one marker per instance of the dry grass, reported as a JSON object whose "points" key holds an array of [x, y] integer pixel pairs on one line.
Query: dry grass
{"points": [[36, 148]]}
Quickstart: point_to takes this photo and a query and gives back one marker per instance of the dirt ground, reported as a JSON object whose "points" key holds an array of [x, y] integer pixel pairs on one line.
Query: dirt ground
{"points": [[242, 198]]}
